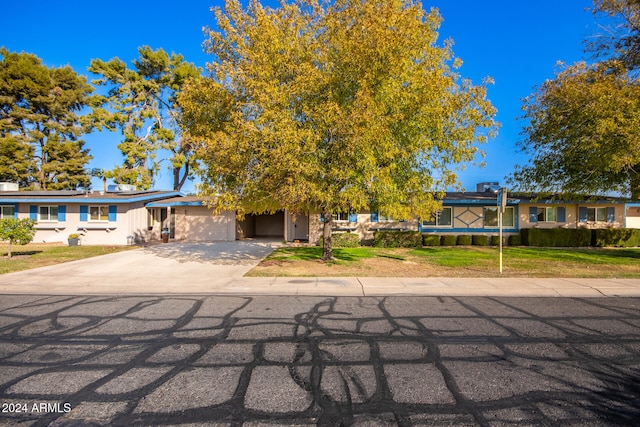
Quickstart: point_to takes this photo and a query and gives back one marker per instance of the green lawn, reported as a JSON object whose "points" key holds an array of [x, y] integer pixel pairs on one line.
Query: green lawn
{"points": [[470, 261], [39, 255]]}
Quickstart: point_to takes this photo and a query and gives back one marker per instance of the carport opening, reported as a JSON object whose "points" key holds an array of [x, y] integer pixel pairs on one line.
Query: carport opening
{"points": [[265, 225]]}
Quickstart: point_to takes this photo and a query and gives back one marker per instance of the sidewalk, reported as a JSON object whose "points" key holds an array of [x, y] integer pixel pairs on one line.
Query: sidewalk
{"points": [[44, 281]]}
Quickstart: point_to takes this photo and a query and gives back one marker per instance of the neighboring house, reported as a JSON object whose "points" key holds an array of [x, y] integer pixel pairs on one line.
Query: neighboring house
{"points": [[109, 218]]}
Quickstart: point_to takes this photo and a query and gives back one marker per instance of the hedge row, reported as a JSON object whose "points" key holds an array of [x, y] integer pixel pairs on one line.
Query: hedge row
{"points": [[556, 237], [618, 237], [466, 240], [343, 240], [397, 239], [553, 237]]}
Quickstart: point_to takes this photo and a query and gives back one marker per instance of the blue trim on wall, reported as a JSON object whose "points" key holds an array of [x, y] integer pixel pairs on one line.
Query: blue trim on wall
{"points": [[84, 213], [62, 213], [469, 230], [93, 200], [113, 212], [33, 212]]}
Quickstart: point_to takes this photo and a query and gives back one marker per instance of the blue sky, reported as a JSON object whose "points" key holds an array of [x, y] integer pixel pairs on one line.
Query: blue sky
{"points": [[516, 42]]}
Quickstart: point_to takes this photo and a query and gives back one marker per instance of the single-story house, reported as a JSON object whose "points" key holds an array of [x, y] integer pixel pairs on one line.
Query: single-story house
{"points": [[126, 216], [100, 217]]}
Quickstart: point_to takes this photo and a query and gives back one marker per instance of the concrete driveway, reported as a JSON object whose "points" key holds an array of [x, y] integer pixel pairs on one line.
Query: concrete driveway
{"points": [[171, 267]]}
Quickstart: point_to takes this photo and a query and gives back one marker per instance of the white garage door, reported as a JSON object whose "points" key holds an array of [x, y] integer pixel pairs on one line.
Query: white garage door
{"points": [[196, 224]]}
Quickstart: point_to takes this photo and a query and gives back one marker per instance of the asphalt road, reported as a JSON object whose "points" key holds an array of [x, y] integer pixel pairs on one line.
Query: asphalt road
{"points": [[299, 361]]}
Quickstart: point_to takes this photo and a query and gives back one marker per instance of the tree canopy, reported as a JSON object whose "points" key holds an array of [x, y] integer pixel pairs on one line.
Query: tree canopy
{"points": [[333, 106], [42, 118], [143, 106], [582, 128]]}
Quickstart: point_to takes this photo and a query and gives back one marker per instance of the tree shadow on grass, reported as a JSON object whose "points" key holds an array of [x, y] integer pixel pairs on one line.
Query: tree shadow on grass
{"points": [[20, 253]]}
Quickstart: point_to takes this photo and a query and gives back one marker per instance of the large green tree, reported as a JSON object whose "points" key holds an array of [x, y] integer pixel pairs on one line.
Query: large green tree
{"points": [[333, 106], [42, 120], [582, 128], [143, 106]]}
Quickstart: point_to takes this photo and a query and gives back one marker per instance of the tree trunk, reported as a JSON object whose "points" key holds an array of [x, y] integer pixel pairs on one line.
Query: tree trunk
{"points": [[327, 248], [179, 181], [635, 183], [9, 254]]}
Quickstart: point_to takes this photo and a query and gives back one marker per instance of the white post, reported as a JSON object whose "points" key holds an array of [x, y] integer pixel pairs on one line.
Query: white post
{"points": [[502, 204], [500, 226]]}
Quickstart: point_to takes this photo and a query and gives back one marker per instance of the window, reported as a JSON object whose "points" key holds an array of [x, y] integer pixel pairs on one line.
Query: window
{"points": [[48, 213], [548, 214], [7, 212], [439, 219], [596, 214], [98, 213], [384, 218], [342, 216], [491, 217], [599, 214]]}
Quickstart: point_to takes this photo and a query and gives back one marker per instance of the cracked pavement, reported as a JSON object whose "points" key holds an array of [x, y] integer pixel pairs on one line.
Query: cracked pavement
{"points": [[298, 361]]}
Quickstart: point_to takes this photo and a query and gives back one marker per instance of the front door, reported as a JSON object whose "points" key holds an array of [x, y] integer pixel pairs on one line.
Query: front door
{"points": [[301, 228]]}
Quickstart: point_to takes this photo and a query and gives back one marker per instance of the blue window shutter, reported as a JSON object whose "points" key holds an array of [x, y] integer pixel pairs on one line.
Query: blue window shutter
{"points": [[562, 214], [583, 215], [15, 211], [113, 211], [533, 214], [62, 213], [374, 216], [84, 213], [611, 214], [33, 212], [321, 217], [353, 217]]}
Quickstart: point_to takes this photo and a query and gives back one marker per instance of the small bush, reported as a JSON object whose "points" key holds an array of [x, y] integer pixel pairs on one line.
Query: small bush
{"points": [[464, 240], [430, 240], [448, 240], [515, 240], [617, 237], [556, 237], [479, 240], [495, 240], [397, 239], [345, 240]]}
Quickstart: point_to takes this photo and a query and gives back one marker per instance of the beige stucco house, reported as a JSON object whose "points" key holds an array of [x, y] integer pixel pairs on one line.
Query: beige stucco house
{"points": [[122, 217]]}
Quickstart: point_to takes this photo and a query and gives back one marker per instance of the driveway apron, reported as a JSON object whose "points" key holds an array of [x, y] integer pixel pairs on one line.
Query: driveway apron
{"points": [[172, 267]]}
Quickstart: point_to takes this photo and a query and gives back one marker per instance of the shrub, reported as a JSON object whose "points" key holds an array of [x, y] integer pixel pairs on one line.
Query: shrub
{"points": [[345, 240], [16, 231], [618, 237], [479, 240], [495, 240], [397, 239], [515, 240], [448, 240], [556, 237], [430, 240], [463, 240]]}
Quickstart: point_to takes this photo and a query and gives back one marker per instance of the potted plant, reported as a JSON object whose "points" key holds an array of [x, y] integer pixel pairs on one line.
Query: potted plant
{"points": [[73, 239]]}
